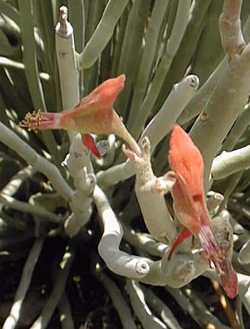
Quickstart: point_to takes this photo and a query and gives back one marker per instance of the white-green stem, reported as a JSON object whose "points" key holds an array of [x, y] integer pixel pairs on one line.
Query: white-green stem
{"points": [[84, 182], [39, 163], [238, 130], [223, 108], [77, 158], [176, 272], [103, 32], [29, 208], [10, 63], [179, 27], [152, 203], [224, 105], [144, 242], [30, 61], [173, 106], [228, 163], [149, 52], [115, 174], [138, 118], [201, 99], [66, 61]]}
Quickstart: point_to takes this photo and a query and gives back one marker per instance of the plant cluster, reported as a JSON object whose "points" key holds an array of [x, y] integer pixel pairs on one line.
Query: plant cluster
{"points": [[78, 79]]}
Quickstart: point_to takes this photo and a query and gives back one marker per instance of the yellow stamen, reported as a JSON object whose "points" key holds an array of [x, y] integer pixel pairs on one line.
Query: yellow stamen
{"points": [[31, 120]]}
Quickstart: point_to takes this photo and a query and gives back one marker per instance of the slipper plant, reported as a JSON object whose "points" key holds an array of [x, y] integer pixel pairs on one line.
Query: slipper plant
{"points": [[91, 228]]}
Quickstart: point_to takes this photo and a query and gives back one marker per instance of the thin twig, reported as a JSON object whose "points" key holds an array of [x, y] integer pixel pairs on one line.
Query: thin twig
{"points": [[58, 289], [65, 313], [6, 62], [141, 309], [16, 181], [29, 208], [118, 300], [226, 306], [195, 307], [161, 308], [14, 316], [144, 242], [39, 163]]}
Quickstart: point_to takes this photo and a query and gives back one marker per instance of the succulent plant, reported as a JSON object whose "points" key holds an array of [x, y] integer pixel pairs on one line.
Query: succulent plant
{"points": [[92, 223]]}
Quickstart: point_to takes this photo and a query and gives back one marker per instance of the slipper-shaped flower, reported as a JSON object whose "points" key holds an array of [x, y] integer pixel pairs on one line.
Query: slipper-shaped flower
{"points": [[190, 207], [93, 115]]}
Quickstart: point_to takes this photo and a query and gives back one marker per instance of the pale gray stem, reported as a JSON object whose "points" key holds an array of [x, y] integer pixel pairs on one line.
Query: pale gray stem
{"points": [[148, 189], [66, 61], [78, 157], [118, 261], [176, 272], [228, 163], [81, 170], [173, 106], [29, 208]]}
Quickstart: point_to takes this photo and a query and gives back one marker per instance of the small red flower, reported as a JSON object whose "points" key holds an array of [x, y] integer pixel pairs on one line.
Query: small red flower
{"points": [[94, 114], [186, 162]]}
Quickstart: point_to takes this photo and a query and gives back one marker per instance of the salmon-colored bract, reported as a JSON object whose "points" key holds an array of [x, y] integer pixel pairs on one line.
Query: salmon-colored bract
{"points": [[190, 207]]}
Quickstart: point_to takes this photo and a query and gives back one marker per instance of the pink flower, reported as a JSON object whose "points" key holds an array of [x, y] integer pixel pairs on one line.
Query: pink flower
{"points": [[187, 165], [94, 114]]}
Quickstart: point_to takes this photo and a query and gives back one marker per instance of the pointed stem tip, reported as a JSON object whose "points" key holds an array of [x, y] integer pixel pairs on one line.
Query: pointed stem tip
{"points": [[63, 14], [63, 25]]}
